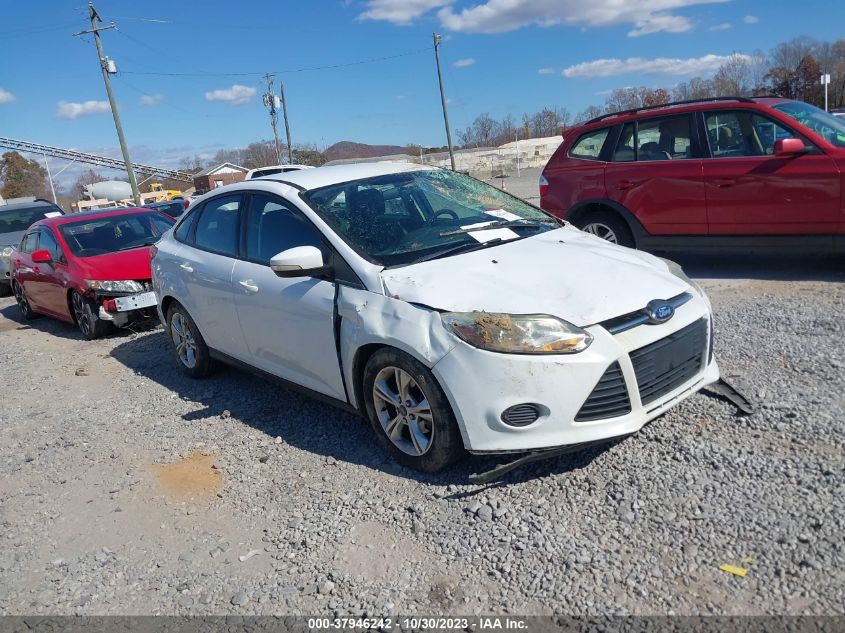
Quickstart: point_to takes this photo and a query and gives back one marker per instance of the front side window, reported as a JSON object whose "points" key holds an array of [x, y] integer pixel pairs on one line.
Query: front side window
{"points": [[217, 226], [47, 241], [273, 227], [589, 145], [110, 234], [735, 134], [29, 242], [411, 216], [831, 128]]}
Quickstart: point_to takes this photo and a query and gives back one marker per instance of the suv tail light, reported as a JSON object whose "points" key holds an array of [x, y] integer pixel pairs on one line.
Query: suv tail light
{"points": [[544, 186]]}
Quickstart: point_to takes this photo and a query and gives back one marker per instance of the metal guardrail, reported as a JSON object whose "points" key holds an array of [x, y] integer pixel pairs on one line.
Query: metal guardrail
{"points": [[93, 159]]}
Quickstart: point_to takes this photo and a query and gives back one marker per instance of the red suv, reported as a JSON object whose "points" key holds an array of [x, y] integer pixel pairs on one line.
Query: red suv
{"points": [[727, 172]]}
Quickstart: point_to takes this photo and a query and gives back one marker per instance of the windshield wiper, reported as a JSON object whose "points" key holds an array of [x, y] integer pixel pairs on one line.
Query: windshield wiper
{"points": [[129, 247], [463, 247], [499, 224]]}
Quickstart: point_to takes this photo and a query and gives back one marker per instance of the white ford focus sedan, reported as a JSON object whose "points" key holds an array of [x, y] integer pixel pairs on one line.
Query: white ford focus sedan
{"points": [[450, 314]]}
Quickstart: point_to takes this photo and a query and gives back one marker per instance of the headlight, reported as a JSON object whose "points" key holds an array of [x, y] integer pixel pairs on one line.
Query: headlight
{"points": [[6, 251], [115, 286], [517, 333]]}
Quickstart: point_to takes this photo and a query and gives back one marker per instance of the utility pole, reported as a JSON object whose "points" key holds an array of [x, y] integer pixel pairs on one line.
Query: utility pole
{"points": [[437, 40], [272, 102], [108, 67], [287, 127], [825, 83]]}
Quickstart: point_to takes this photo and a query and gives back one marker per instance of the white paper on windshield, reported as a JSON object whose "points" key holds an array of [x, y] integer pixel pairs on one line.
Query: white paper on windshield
{"points": [[53, 214], [490, 234], [502, 214]]}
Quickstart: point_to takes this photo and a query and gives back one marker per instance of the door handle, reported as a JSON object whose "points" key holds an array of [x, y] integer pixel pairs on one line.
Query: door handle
{"points": [[723, 182], [625, 184], [249, 284], [186, 267]]}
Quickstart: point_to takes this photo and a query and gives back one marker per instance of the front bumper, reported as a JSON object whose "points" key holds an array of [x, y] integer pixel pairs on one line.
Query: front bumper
{"points": [[480, 385]]}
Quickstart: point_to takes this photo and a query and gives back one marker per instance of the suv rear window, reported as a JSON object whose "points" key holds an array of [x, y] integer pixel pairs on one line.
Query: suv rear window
{"points": [[589, 145]]}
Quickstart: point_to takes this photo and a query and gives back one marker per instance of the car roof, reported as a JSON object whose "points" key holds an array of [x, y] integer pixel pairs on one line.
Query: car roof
{"points": [[90, 215], [306, 179], [681, 107], [34, 204]]}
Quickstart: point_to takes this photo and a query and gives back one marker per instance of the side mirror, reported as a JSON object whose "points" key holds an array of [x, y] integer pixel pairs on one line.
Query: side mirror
{"points": [[42, 257], [789, 147], [299, 261]]}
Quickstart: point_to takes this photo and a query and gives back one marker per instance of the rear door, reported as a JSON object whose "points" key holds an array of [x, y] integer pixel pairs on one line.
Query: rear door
{"points": [[577, 175], [204, 266], [752, 192], [288, 324], [656, 173]]}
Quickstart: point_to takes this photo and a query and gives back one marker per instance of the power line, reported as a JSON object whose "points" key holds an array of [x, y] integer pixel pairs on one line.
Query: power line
{"points": [[371, 60]]}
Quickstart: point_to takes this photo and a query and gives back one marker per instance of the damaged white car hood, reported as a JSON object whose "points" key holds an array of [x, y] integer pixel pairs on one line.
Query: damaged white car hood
{"points": [[565, 273]]}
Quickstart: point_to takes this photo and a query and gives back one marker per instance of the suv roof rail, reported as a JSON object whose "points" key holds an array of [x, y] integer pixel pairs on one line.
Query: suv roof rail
{"points": [[674, 103]]}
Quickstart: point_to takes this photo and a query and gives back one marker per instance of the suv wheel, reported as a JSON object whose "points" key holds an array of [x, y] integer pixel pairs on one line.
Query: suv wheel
{"points": [[192, 353], [409, 412], [608, 226]]}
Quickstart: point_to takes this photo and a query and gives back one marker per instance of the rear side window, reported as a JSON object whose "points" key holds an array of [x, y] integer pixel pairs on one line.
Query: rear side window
{"points": [[664, 138], [217, 226], [589, 145]]}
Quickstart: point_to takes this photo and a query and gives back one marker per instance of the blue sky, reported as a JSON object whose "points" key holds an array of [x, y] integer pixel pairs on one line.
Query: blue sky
{"points": [[493, 52]]}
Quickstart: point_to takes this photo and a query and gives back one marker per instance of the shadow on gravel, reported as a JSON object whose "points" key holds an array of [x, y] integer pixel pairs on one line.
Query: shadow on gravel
{"points": [[763, 267], [54, 327], [306, 423]]}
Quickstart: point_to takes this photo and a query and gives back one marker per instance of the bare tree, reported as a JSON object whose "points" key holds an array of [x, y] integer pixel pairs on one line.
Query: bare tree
{"points": [[733, 77]]}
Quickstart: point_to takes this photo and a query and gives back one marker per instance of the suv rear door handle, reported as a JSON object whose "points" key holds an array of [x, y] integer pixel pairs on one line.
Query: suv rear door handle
{"points": [[186, 267], [723, 182], [249, 284], [626, 184]]}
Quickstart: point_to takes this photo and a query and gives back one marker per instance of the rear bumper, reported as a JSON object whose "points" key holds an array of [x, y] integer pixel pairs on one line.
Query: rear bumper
{"points": [[481, 385]]}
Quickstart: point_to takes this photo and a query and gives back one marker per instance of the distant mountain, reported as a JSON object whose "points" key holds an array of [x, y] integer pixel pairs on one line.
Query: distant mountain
{"points": [[349, 149]]}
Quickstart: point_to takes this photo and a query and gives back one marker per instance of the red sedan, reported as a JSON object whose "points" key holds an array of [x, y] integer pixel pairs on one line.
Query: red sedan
{"points": [[91, 268]]}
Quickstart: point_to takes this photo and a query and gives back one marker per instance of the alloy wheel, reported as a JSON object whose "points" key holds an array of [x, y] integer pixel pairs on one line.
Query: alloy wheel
{"points": [[83, 316], [403, 411], [601, 230], [183, 339], [23, 303]]}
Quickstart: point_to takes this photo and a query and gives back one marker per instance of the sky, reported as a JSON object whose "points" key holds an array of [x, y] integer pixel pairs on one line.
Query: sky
{"points": [[190, 73]]}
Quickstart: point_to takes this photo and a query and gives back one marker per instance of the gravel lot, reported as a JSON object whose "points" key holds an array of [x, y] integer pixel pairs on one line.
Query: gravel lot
{"points": [[126, 488]]}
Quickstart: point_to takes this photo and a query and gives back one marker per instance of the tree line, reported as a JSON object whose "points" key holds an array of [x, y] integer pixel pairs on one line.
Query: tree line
{"points": [[791, 69]]}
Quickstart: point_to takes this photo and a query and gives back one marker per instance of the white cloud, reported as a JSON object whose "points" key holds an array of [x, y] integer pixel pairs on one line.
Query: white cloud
{"points": [[152, 100], [496, 16], [71, 110], [724, 26], [751, 19], [237, 94], [546, 71], [6, 96], [400, 11], [638, 65], [463, 63]]}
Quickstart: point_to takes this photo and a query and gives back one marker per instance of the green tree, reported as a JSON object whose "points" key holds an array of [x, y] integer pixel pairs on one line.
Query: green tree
{"points": [[22, 177]]}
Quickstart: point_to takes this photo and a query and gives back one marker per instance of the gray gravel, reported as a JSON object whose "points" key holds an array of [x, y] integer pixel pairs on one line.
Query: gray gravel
{"points": [[326, 524]]}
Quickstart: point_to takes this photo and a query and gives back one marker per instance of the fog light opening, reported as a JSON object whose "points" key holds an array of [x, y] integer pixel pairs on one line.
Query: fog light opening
{"points": [[521, 414]]}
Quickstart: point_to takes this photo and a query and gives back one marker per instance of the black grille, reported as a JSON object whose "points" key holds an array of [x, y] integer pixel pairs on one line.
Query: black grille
{"points": [[670, 362], [520, 415], [609, 398]]}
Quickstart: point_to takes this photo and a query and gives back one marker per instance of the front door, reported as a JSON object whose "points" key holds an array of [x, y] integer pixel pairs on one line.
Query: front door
{"points": [[655, 173], [288, 324], [750, 191]]}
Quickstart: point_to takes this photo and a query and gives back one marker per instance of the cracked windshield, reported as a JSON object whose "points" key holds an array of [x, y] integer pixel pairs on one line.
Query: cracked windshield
{"points": [[419, 215]]}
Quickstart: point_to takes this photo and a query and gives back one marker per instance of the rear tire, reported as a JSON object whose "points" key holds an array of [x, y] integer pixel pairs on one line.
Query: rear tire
{"points": [[409, 412], [192, 353], [85, 313], [27, 313], [608, 226]]}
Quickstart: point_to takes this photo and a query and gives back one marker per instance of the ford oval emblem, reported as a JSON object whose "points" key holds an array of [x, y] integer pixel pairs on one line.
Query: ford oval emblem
{"points": [[660, 311]]}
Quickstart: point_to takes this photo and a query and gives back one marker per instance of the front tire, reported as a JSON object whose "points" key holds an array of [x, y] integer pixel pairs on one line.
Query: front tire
{"points": [[409, 412], [189, 346], [608, 226], [85, 315]]}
